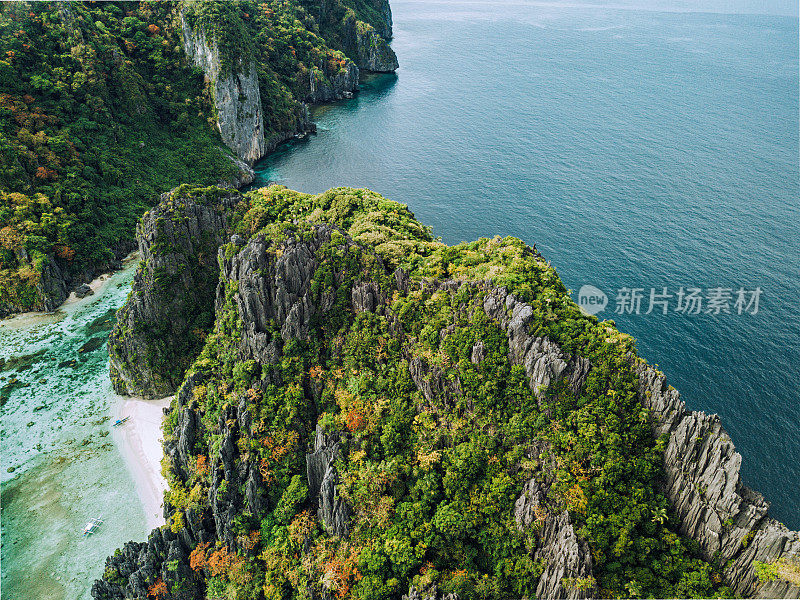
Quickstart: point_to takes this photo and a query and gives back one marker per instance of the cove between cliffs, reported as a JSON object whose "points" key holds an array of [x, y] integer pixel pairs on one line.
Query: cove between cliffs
{"points": [[63, 463]]}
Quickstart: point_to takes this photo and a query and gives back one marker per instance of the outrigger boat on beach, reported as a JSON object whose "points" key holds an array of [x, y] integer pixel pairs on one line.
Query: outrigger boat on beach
{"points": [[119, 422], [92, 526]]}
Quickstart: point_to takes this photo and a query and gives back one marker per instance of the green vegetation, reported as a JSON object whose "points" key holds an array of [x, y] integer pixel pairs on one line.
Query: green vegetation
{"points": [[339, 20], [432, 483], [224, 25], [783, 568], [100, 115], [101, 112]]}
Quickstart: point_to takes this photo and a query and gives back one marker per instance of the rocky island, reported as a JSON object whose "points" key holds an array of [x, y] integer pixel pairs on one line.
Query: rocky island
{"points": [[359, 410], [362, 411]]}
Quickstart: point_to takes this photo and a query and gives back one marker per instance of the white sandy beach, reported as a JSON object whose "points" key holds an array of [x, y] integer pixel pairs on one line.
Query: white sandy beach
{"points": [[99, 283], [71, 304], [139, 440]]}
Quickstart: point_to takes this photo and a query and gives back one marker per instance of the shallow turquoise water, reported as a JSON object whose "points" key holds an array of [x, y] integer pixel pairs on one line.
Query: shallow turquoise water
{"points": [[636, 149], [57, 407]]}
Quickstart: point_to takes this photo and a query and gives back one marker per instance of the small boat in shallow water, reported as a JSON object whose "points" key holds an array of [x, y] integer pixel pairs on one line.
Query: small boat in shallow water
{"points": [[119, 422], [92, 526]]}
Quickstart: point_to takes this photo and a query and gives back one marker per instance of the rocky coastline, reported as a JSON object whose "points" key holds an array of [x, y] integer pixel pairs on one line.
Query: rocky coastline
{"points": [[240, 119], [273, 287]]}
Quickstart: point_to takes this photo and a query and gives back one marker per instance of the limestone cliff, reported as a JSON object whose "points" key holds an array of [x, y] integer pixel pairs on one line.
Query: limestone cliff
{"points": [[364, 41], [384, 25], [325, 85], [347, 419], [50, 289], [271, 287], [728, 519], [160, 328], [235, 91], [241, 70], [372, 51]]}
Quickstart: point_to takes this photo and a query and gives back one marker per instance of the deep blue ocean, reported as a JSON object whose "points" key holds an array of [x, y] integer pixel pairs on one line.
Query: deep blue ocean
{"points": [[637, 149]]}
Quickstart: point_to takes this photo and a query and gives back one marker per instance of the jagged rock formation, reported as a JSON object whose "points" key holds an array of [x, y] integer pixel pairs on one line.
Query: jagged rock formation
{"points": [[727, 519], [543, 360], [298, 287], [366, 43], [245, 175], [431, 593], [132, 571], [52, 286], [276, 287], [236, 95], [372, 52], [384, 28], [325, 86], [323, 479], [568, 570], [55, 282], [159, 330], [51, 289]]}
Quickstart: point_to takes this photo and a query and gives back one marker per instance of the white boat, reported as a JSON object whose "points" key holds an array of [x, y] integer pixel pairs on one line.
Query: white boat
{"points": [[92, 526]]}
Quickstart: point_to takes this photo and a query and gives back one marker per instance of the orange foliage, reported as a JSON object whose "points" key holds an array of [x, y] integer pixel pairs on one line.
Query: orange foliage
{"points": [[355, 421], [44, 174], [279, 445], [65, 252], [342, 573], [265, 468], [221, 561], [158, 590], [202, 464], [198, 559], [227, 563], [301, 527], [153, 29]]}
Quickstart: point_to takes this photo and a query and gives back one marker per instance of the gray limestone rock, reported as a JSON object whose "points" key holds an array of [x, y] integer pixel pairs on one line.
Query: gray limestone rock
{"points": [[323, 480], [704, 486], [544, 362], [568, 562], [155, 337], [236, 95]]}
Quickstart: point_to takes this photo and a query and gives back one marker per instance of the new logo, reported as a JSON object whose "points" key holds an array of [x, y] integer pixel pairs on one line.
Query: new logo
{"points": [[592, 300]]}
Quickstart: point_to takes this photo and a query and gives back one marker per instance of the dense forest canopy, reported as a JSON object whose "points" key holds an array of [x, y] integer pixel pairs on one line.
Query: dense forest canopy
{"points": [[101, 112], [431, 478]]}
